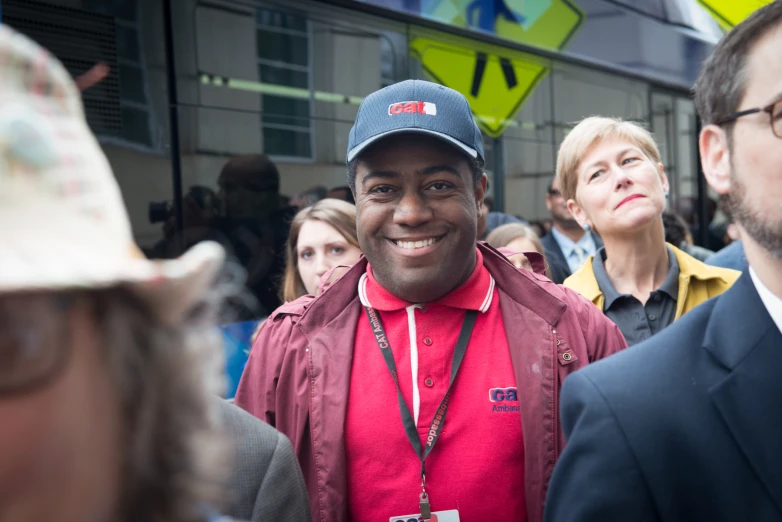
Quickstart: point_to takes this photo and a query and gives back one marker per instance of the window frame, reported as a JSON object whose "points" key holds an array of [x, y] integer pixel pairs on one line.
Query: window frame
{"points": [[309, 128], [156, 144]]}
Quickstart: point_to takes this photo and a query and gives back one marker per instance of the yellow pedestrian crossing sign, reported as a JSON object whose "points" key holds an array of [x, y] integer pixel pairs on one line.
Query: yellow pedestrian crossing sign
{"points": [[730, 13], [543, 23], [495, 81]]}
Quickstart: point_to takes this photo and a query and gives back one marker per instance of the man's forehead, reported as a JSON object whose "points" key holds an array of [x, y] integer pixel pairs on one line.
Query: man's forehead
{"points": [[764, 70]]}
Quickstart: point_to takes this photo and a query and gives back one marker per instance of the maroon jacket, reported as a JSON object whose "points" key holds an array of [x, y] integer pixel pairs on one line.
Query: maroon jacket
{"points": [[298, 373]]}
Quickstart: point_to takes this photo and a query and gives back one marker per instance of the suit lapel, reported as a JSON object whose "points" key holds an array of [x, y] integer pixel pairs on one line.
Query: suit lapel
{"points": [[555, 255], [750, 397]]}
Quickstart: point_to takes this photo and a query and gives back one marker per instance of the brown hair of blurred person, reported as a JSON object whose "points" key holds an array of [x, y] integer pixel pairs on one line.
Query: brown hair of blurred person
{"points": [[160, 373], [340, 215], [506, 234], [516, 236]]}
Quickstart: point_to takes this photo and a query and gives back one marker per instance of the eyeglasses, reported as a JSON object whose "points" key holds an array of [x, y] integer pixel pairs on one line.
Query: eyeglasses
{"points": [[554, 193], [774, 111], [33, 340]]}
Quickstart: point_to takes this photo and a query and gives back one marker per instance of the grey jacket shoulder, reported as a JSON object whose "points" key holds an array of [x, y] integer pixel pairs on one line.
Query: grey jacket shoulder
{"points": [[266, 483]]}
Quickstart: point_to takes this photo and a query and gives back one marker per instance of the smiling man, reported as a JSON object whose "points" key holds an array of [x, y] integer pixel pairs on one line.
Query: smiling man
{"points": [[425, 379]]}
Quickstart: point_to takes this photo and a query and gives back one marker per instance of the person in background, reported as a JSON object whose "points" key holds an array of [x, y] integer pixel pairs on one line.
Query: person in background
{"points": [[489, 219], [686, 426], [309, 197], [248, 219], [539, 229], [321, 237], [109, 362], [357, 375], [613, 180], [568, 245], [516, 237], [677, 233], [344, 193]]}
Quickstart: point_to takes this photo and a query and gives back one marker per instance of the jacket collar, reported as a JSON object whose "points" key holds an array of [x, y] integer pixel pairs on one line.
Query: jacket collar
{"points": [[743, 338], [689, 268], [528, 291]]}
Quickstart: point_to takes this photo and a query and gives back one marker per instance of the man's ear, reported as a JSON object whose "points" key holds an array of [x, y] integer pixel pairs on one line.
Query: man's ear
{"points": [[715, 157], [480, 192], [578, 213]]}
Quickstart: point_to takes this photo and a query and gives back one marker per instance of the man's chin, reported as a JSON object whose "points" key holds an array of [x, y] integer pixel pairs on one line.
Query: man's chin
{"points": [[417, 289]]}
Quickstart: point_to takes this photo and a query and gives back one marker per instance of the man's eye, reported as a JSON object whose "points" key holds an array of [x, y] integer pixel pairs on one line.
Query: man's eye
{"points": [[440, 185], [381, 189]]}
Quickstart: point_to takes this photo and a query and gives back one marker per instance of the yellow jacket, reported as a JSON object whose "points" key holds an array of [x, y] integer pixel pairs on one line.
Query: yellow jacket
{"points": [[698, 282]]}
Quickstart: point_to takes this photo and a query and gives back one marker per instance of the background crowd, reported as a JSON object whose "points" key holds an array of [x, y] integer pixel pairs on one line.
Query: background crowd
{"points": [[389, 287]]}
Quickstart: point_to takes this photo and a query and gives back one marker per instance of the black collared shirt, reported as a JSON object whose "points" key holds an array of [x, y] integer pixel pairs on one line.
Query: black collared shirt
{"points": [[637, 321]]}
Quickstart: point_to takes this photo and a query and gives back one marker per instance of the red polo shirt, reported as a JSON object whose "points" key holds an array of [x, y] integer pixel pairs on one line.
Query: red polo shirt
{"points": [[477, 465]]}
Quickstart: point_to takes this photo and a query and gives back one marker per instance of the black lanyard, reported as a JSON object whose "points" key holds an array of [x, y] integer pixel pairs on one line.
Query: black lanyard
{"points": [[439, 417]]}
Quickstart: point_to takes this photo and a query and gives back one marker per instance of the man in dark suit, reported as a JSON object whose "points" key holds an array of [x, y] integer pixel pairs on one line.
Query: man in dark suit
{"points": [[568, 246], [265, 483], [686, 426]]}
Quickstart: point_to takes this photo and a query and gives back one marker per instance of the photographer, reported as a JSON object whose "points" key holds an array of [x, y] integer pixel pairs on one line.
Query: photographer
{"points": [[246, 217]]}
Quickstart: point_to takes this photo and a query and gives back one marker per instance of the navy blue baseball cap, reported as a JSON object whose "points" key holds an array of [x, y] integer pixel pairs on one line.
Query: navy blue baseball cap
{"points": [[416, 106]]}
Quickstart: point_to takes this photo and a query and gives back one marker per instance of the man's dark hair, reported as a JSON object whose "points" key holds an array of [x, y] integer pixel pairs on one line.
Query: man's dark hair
{"points": [[723, 80], [256, 169], [476, 165], [675, 228]]}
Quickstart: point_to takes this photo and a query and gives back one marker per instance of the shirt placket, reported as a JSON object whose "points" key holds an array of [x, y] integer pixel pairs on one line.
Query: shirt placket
{"points": [[432, 380]]}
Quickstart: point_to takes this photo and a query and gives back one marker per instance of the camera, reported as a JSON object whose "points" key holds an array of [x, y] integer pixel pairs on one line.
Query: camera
{"points": [[204, 197]]}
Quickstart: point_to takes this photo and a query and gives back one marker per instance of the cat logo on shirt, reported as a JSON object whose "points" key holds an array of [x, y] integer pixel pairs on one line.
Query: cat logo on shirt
{"points": [[504, 399]]}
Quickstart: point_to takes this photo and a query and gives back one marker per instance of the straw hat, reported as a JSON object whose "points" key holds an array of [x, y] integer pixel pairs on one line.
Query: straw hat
{"points": [[63, 224]]}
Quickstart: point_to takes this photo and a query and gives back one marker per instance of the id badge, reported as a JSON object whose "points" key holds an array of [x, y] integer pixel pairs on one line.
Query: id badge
{"points": [[452, 515]]}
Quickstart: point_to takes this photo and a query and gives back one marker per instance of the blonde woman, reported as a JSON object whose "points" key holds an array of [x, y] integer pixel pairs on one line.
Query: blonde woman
{"points": [[321, 237], [516, 237], [611, 175]]}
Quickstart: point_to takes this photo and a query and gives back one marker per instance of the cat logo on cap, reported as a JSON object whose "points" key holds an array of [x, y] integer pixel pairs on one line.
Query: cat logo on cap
{"points": [[410, 107]]}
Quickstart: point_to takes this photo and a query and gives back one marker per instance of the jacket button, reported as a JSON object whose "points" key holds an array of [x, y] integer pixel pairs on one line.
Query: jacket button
{"points": [[427, 341], [429, 382], [566, 356]]}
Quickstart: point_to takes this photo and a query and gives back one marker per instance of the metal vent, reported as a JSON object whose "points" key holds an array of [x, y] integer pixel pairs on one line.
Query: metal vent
{"points": [[79, 39]]}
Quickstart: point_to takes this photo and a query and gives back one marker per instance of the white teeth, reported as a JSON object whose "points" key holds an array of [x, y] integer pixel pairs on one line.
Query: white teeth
{"points": [[416, 244]]}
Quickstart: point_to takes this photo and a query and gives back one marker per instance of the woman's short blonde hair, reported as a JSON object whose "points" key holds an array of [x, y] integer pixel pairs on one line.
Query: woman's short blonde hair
{"points": [[589, 132]]}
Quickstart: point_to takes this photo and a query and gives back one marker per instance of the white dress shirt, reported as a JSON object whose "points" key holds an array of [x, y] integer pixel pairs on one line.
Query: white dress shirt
{"points": [[575, 253], [772, 303]]}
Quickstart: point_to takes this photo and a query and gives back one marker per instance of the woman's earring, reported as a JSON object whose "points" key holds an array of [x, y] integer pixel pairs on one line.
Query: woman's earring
{"points": [[666, 195], [587, 227]]}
